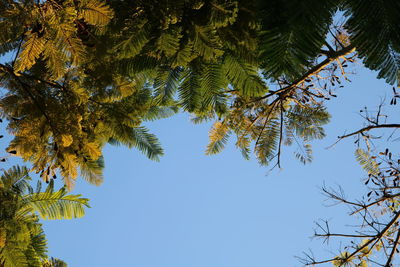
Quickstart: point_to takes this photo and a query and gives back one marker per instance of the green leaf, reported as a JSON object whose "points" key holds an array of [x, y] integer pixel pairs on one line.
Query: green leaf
{"points": [[267, 141], [166, 84], [146, 142], [293, 34], [156, 113], [56, 205], [244, 77], [375, 32]]}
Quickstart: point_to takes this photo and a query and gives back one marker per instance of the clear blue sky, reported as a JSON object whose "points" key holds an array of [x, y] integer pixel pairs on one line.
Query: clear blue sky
{"points": [[192, 210]]}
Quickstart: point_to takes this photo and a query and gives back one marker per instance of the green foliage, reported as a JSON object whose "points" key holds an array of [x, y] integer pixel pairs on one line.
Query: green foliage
{"points": [[56, 205], [267, 140], [107, 76], [74, 138], [306, 122], [81, 74], [52, 30], [22, 240], [145, 142], [268, 127], [110, 66], [243, 77], [166, 84], [375, 31], [293, 33]]}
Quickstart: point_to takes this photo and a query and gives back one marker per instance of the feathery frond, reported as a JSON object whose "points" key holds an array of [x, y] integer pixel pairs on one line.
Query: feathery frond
{"points": [[367, 162], [22, 240], [218, 136], [95, 12], [375, 32], [293, 33]]}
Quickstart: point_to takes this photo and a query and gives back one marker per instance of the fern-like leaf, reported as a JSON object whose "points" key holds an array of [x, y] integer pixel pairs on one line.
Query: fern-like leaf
{"points": [[96, 12], [147, 143], [56, 205], [367, 162], [156, 113], [267, 141], [244, 77], [375, 32], [31, 50], [218, 137]]}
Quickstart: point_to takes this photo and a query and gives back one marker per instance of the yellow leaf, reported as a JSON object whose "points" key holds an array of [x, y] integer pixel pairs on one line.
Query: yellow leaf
{"points": [[366, 250], [31, 50], [126, 89], [218, 137], [66, 140], [69, 169], [93, 150], [3, 237], [218, 131], [96, 13], [378, 246]]}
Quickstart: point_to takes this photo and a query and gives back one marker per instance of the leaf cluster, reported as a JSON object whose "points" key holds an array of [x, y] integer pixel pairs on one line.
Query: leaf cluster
{"points": [[110, 66], [22, 240]]}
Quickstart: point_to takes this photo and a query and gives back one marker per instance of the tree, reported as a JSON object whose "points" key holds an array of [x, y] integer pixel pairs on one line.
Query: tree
{"points": [[22, 240], [262, 69], [294, 36], [141, 60], [107, 97], [376, 237], [47, 76]]}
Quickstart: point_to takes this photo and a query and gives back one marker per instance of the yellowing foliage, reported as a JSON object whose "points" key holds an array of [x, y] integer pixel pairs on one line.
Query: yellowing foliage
{"points": [[93, 150], [67, 140]]}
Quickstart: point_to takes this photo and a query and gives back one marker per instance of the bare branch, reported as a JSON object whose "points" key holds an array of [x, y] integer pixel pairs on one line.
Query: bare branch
{"points": [[368, 128]]}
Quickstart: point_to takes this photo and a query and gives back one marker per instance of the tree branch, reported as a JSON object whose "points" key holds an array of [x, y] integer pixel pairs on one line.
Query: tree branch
{"points": [[25, 87], [368, 128], [396, 242], [317, 68]]}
